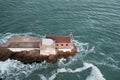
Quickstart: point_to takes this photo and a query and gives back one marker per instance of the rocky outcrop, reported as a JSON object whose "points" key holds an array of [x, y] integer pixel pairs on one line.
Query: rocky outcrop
{"points": [[5, 54], [33, 55], [26, 56]]}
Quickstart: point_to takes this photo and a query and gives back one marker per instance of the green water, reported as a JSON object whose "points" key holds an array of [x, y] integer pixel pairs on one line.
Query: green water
{"points": [[94, 23]]}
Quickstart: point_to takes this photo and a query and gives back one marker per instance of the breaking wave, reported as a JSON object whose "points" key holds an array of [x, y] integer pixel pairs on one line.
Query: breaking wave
{"points": [[13, 69], [94, 75]]}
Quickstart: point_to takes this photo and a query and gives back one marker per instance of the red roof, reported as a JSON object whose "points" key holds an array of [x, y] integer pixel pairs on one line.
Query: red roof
{"points": [[60, 39]]}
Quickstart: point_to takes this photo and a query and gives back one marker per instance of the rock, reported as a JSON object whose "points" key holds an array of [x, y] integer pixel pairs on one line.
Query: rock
{"points": [[52, 58], [27, 56], [33, 55], [5, 54]]}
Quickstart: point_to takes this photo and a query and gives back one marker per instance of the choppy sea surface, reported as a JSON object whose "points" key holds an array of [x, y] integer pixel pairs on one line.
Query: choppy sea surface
{"points": [[95, 25]]}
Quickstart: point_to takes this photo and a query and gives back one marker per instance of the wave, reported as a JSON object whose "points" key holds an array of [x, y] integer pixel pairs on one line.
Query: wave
{"points": [[7, 69], [13, 69], [94, 75], [83, 49]]}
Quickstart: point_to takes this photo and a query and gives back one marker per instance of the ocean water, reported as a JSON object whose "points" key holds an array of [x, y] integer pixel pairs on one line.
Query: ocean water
{"points": [[95, 25]]}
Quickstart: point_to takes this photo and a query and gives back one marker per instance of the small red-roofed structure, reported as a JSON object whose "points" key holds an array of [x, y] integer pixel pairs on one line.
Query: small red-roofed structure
{"points": [[62, 42]]}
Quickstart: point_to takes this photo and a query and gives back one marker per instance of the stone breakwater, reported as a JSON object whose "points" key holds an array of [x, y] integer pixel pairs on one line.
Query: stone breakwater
{"points": [[33, 55]]}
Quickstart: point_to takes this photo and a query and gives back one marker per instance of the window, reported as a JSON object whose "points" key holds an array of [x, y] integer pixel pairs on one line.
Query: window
{"points": [[66, 44], [61, 44]]}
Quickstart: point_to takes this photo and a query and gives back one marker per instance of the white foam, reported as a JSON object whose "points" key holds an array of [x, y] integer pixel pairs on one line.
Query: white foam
{"points": [[4, 66], [5, 37], [42, 77], [81, 46], [83, 49], [61, 62], [15, 69], [95, 73]]}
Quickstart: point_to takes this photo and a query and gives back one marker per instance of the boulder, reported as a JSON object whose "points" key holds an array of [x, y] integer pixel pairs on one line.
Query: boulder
{"points": [[5, 54], [52, 58]]}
